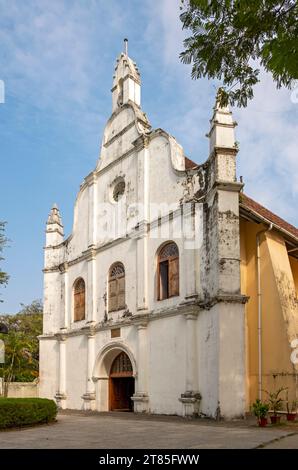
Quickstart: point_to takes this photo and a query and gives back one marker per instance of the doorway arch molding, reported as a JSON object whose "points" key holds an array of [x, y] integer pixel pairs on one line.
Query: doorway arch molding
{"points": [[106, 356]]}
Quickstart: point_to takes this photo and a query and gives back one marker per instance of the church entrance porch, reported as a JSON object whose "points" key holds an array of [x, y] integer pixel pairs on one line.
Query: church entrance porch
{"points": [[121, 384], [114, 375]]}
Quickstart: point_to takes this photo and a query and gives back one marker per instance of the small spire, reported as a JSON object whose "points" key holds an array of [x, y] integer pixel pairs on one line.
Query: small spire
{"points": [[54, 216], [126, 46], [222, 126], [126, 81]]}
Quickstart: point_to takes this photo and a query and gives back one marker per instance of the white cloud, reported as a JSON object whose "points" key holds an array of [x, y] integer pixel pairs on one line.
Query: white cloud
{"points": [[268, 134], [52, 60], [268, 128], [53, 54]]}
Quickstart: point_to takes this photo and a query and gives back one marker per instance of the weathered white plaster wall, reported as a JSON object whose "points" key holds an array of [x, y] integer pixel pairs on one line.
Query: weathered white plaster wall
{"points": [[48, 368], [76, 370], [166, 365], [221, 368], [52, 302]]}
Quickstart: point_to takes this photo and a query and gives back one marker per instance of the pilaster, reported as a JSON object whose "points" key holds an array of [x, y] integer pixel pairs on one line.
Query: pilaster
{"points": [[61, 395], [91, 286], [89, 396], [190, 399], [65, 313], [143, 218], [140, 397], [92, 225]]}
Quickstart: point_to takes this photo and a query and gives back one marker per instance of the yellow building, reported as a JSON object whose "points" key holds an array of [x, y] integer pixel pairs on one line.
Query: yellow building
{"points": [[269, 278]]}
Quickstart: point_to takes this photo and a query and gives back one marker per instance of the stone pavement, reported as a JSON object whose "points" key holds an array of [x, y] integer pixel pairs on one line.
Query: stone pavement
{"points": [[130, 431]]}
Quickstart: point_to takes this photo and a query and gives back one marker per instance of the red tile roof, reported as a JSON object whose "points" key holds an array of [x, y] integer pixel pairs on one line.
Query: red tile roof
{"points": [[254, 206], [189, 164]]}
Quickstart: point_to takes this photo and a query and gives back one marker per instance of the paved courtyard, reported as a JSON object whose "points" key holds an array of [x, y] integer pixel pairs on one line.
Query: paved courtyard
{"points": [[129, 431]]}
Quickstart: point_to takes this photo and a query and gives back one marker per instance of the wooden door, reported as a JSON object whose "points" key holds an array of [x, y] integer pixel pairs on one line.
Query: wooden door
{"points": [[121, 384], [121, 391]]}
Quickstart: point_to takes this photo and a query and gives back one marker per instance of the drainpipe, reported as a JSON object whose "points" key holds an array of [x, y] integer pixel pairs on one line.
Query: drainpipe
{"points": [[260, 309]]}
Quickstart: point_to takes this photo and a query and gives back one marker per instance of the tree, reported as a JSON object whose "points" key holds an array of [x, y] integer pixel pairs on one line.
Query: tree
{"points": [[3, 240], [229, 36], [21, 344], [18, 359]]}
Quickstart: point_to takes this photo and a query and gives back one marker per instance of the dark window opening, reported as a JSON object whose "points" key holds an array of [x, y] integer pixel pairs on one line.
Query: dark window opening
{"points": [[164, 280]]}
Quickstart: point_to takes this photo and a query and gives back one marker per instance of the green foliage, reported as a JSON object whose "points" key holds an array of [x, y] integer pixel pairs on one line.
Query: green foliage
{"points": [[227, 36], [21, 344], [291, 405], [3, 241], [260, 409], [15, 412], [275, 401]]}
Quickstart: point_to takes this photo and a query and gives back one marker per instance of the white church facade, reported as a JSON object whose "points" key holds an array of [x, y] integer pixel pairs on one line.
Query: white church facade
{"points": [[143, 308]]}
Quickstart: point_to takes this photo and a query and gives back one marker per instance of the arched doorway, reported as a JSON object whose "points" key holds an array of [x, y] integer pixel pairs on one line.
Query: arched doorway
{"points": [[121, 384]]}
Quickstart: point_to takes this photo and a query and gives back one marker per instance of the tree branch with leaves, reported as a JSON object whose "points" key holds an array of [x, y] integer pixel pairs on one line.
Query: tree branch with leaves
{"points": [[21, 344], [229, 36]]}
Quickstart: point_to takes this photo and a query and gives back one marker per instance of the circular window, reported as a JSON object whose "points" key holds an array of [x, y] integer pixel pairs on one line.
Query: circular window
{"points": [[118, 190]]}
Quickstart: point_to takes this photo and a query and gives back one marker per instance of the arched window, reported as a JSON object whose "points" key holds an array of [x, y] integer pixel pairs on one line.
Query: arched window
{"points": [[79, 299], [116, 287], [121, 366], [168, 271]]}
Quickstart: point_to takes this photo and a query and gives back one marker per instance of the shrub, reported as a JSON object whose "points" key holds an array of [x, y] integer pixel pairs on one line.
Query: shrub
{"points": [[15, 412], [275, 401], [260, 409]]}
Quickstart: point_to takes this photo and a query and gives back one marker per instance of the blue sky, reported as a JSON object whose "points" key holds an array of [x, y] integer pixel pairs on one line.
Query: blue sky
{"points": [[57, 61]]}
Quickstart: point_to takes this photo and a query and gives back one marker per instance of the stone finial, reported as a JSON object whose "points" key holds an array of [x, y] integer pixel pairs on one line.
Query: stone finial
{"points": [[221, 134], [54, 216], [54, 228]]}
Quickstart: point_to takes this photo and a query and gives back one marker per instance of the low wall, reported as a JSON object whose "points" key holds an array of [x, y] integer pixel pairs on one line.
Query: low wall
{"points": [[22, 390]]}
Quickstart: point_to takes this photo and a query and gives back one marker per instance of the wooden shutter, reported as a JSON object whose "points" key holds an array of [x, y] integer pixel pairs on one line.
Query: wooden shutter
{"points": [[168, 271], [79, 300], [76, 306], [117, 287], [113, 298], [82, 305], [173, 277], [121, 292]]}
